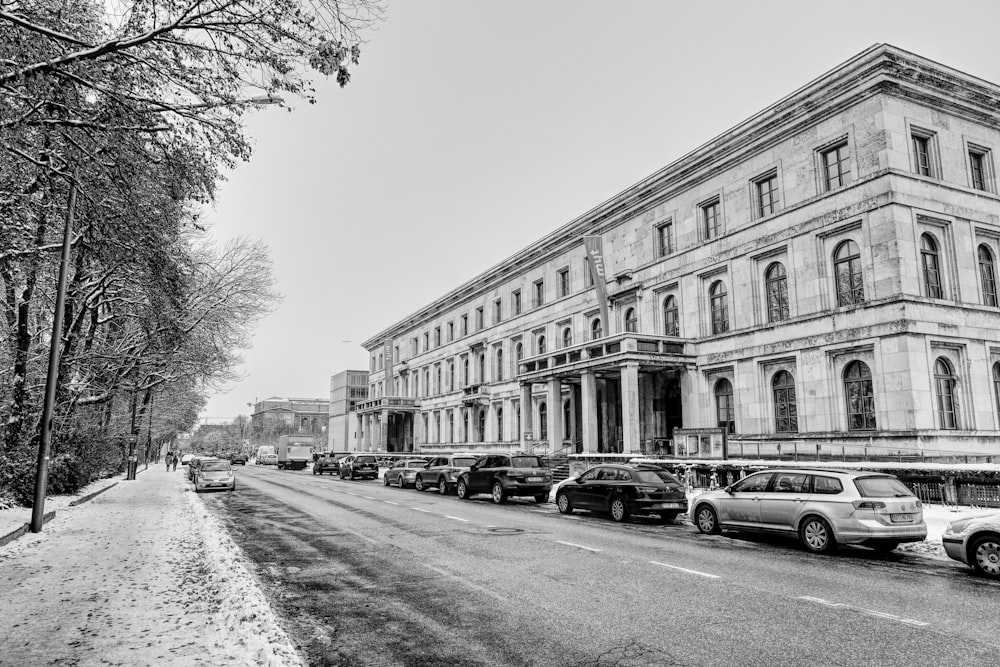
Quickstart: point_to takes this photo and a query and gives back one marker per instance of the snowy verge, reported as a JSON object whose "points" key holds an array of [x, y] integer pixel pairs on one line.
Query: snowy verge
{"points": [[245, 614]]}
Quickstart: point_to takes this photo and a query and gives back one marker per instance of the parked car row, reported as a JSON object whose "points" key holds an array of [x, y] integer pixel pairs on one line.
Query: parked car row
{"points": [[208, 472]]}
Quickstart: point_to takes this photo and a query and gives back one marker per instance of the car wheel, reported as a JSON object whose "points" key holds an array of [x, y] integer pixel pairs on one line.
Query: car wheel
{"points": [[984, 555], [563, 503], [618, 509], [462, 490], [399, 481], [707, 520], [668, 517], [385, 480], [816, 535], [542, 498], [418, 484], [351, 476], [499, 494], [442, 486]]}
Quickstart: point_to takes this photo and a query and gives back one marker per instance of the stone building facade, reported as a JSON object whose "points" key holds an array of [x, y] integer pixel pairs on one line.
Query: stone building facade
{"points": [[822, 274]]}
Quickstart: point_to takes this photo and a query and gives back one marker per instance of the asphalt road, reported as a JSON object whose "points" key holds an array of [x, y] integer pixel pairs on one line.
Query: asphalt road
{"points": [[367, 575]]}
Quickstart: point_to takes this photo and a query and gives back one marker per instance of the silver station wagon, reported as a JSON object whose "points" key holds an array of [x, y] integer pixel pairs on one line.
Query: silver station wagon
{"points": [[823, 508]]}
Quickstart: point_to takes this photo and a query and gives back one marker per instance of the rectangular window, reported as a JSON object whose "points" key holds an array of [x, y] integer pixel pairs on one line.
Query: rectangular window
{"points": [[980, 168], [465, 325], [414, 347], [836, 163], [479, 319], [711, 219], [437, 336], [665, 238], [516, 301], [924, 153], [564, 282], [766, 194], [451, 331], [587, 272], [539, 295], [497, 311], [427, 342]]}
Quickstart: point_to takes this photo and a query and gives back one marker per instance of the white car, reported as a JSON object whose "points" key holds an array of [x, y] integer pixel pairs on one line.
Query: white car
{"points": [[974, 539]]}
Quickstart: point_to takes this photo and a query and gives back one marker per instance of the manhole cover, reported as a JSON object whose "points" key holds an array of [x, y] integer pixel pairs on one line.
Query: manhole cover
{"points": [[505, 531]]}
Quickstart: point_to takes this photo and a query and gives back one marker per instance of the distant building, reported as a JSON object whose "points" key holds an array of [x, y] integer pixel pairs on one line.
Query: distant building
{"points": [[347, 389], [276, 416], [822, 275]]}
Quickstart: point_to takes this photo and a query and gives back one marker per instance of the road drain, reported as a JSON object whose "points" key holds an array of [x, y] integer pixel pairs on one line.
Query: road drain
{"points": [[505, 531]]}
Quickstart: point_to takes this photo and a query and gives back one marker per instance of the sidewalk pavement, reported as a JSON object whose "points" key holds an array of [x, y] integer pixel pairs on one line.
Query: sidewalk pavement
{"points": [[140, 575]]}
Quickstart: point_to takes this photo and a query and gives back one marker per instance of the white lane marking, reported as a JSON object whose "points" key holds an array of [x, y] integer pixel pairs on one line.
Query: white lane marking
{"points": [[456, 518], [578, 546], [389, 502], [867, 612], [684, 569], [466, 582], [419, 509], [367, 497]]}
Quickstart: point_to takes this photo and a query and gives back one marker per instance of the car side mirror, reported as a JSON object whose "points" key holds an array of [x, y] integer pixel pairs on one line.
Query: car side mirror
{"points": [[729, 489], [579, 480], [474, 466]]}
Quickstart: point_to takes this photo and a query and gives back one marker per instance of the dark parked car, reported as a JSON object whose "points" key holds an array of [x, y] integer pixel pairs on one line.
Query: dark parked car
{"points": [[357, 466], [328, 462], [623, 490], [403, 472], [442, 472], [238, 458], [506, 475]]}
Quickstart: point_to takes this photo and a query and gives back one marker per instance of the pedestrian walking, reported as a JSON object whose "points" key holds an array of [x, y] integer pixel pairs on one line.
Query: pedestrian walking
{"points": [[176, 457], [169, 459]]}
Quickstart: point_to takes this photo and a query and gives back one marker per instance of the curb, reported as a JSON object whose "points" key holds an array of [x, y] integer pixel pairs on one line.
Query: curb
{"points": [[18, 532], [91, 496]]}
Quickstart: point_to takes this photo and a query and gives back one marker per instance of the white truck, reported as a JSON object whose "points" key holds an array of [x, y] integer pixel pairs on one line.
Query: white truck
{"points": [[294, 451]]}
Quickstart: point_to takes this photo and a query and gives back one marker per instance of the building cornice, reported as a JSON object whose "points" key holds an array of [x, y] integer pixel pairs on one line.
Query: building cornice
{"points": [[879, 70]]}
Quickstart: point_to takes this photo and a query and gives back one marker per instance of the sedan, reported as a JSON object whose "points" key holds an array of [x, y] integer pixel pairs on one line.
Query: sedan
{"points": [[974, 539], [823, 508], [215, 474], [623, 490], [404, 472]]}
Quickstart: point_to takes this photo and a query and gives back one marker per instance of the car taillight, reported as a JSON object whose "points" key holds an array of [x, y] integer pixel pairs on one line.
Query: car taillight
{"points": [[645, 489], [869, 505]]}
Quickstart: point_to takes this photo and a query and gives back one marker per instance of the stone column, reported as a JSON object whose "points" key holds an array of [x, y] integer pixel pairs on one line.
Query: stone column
{"points": [[630, 408], [555, 411], [588, 396], [526, 417], [359, 436], [383, 431]]}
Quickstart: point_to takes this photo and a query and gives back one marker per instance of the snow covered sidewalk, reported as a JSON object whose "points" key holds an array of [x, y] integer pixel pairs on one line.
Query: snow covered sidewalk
{"points": [[140, 575]]}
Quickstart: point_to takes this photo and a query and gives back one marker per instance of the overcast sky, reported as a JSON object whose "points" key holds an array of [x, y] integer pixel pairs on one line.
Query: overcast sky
{"points": [[472, 128]]}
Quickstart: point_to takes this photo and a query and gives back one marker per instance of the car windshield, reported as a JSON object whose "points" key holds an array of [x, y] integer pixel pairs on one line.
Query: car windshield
{"points": [[656, 477], [525, 462], [416, 464], [215, 465], [365, 459], [463, 462], [882, 487]]}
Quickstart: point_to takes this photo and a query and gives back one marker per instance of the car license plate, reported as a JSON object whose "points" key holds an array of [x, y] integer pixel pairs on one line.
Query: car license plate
{"points": [[670, 506], [901, 518], [534, 479]]}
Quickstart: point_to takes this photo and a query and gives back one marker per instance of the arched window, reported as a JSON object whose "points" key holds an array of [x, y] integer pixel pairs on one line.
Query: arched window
{"points": [[671, 322], [451, 426], [465, 371], [451, 375], [543, 422], [465, 425], [724, 409], [996, 383], [847, 272], [567, 420], [499, 437], [944, 385], [481, 436], [786, 415], [541, 344], [720, 307], [567, 337], [776, 285], [519, 351], [988, 276], [482, 367], [499, 377], [440, 385], [931, 266], [595, 329], [631, 321], [517, 420], [860, 397]]}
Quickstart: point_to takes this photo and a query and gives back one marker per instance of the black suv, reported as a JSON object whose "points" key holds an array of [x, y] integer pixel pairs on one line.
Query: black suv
{"points": [[505, 475], [237, 457], [621, 490], [356, 466], [328, 462]]}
